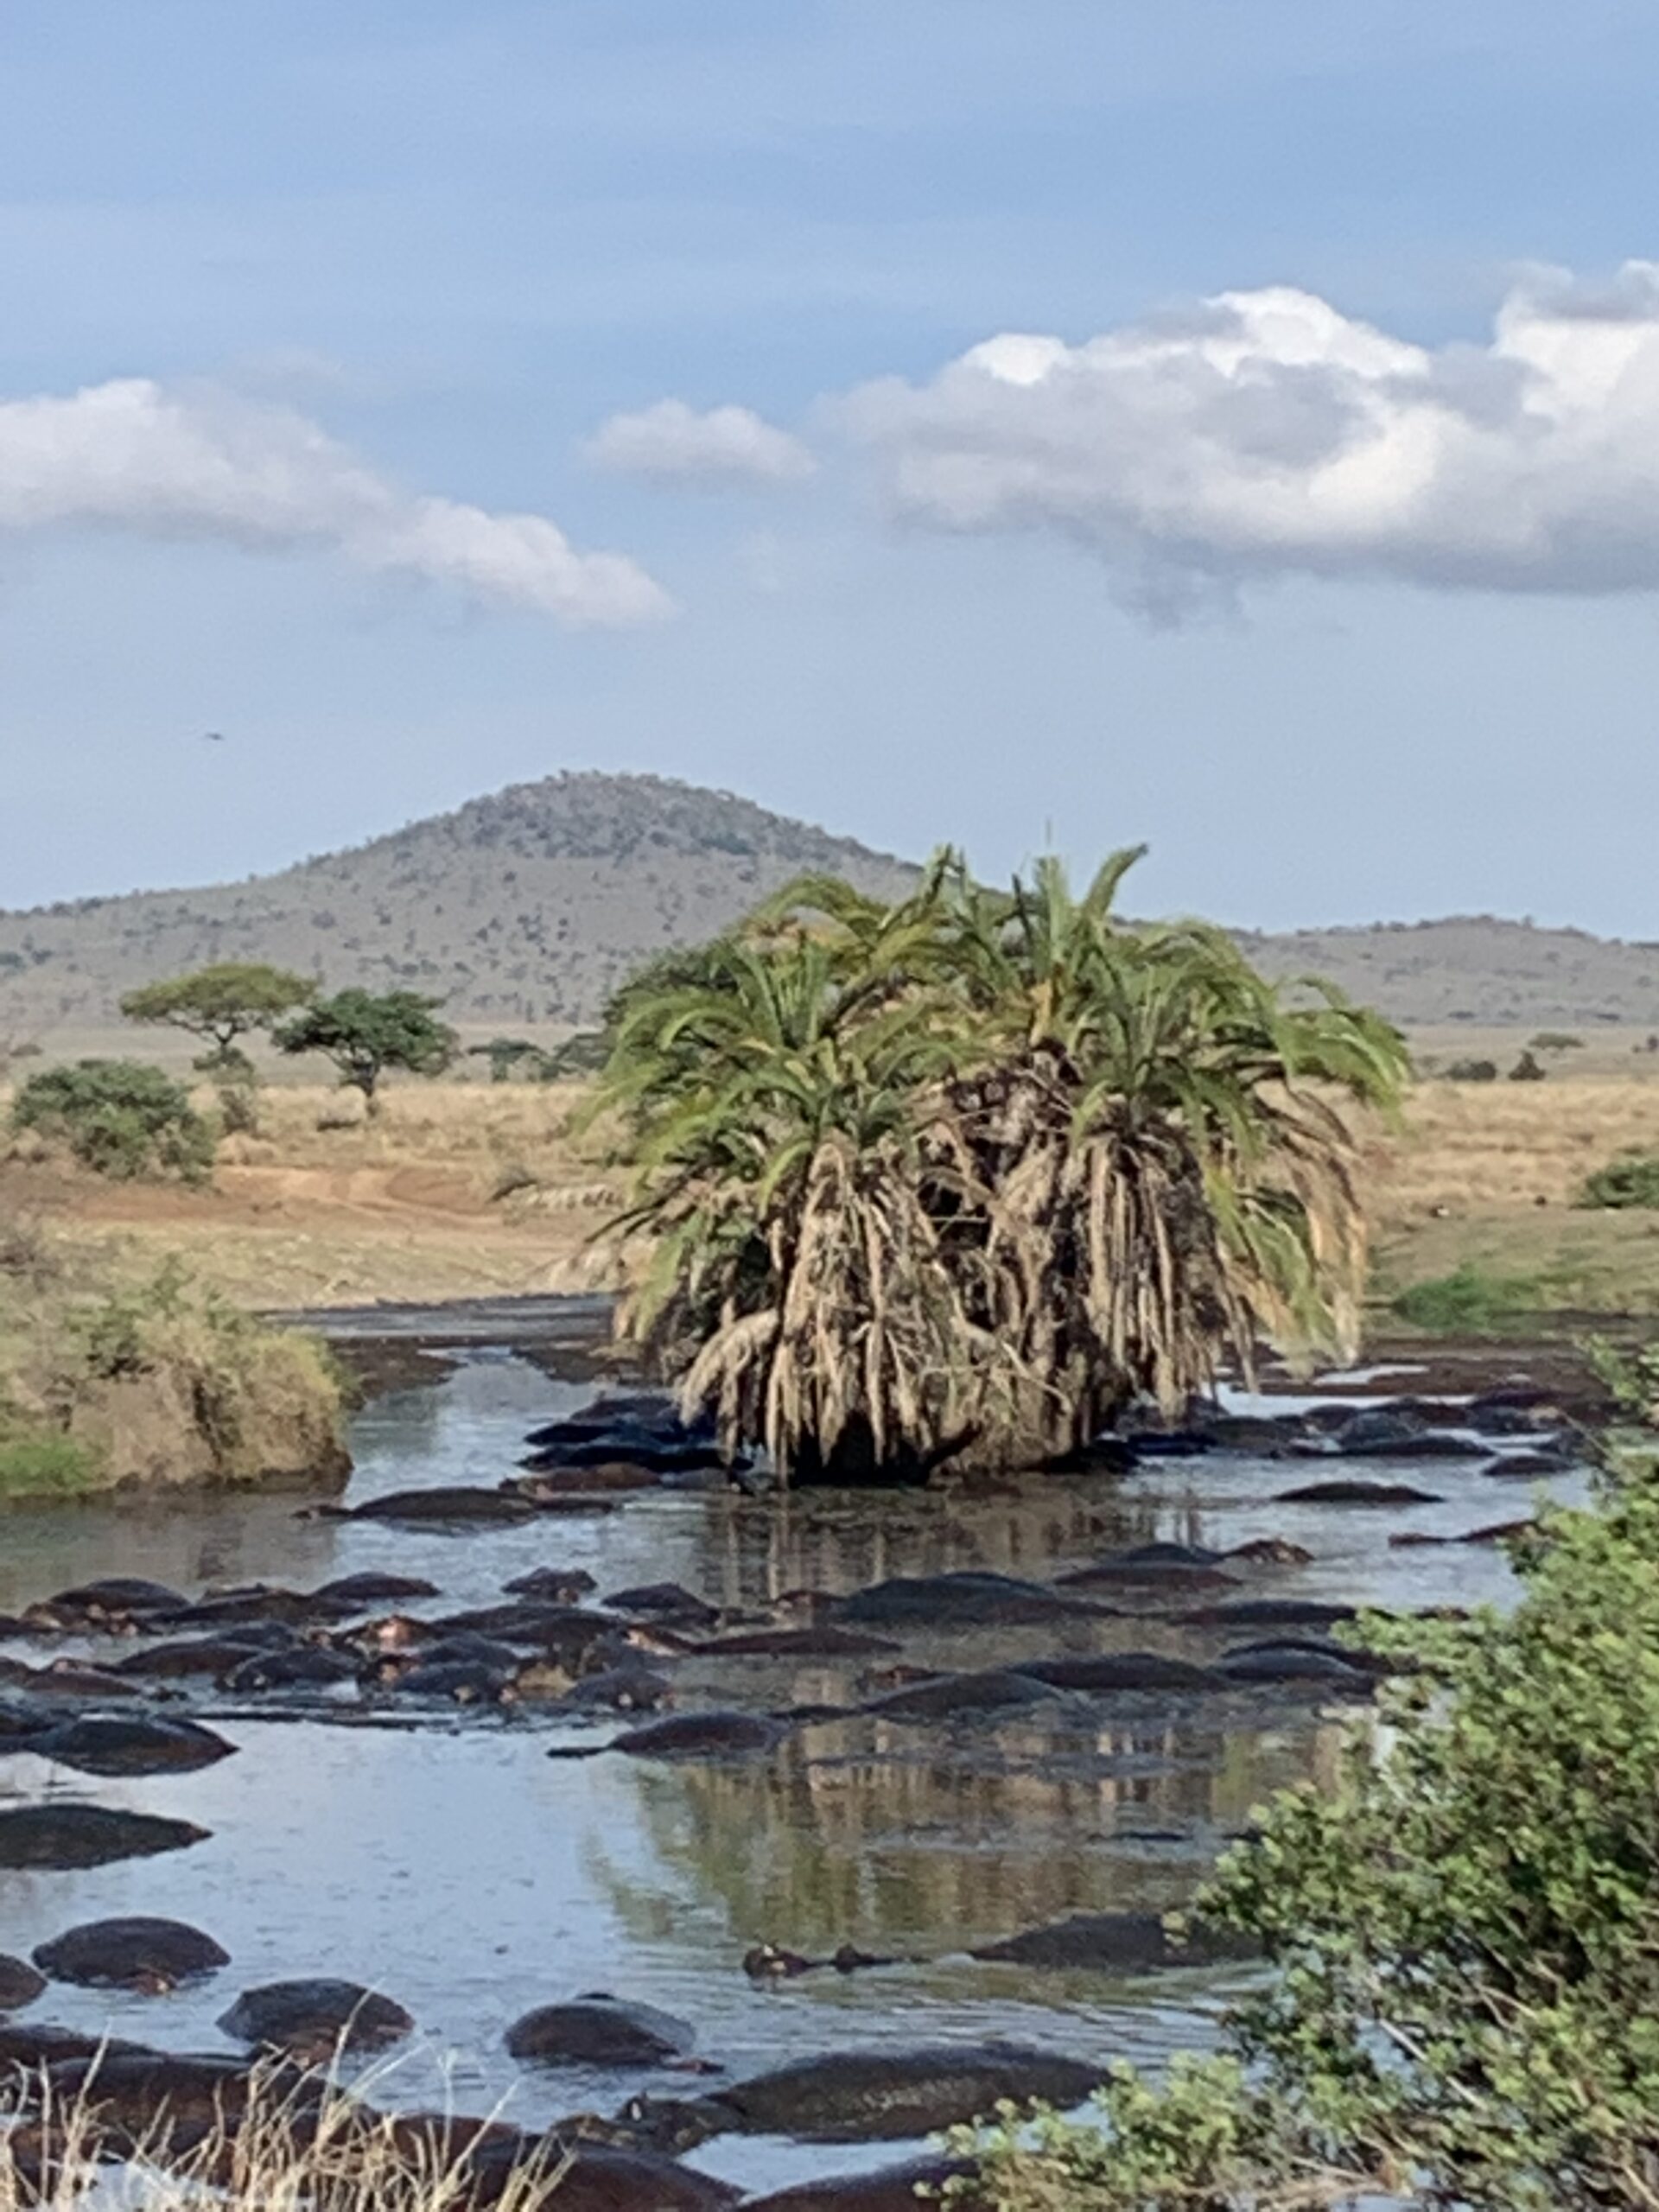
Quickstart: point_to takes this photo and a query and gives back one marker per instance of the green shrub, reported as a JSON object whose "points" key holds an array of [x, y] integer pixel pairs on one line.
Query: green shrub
{"points": [[120, 1118], [45, 1465], [1472, 1071], [1526, 1069], [1632, 1181], [1469, 1300], [1556, 1040], [1461, 2006]]}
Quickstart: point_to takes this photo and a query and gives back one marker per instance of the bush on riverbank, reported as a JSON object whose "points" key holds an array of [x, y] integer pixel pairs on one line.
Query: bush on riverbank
{"points": [[1463, 1936], [161, 1384]]}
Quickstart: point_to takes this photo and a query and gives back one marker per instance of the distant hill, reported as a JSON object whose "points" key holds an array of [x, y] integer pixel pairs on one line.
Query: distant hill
{"points": [[526, 908]]}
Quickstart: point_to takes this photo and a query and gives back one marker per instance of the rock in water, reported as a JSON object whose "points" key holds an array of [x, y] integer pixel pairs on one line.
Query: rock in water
{"points": [[150, 1956], [66, 1834], [118, 1743], [20, 1985], [312, 2020], [599, 2031]]}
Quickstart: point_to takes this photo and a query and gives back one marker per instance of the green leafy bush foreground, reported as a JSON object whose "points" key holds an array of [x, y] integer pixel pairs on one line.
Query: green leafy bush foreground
{"points": [[160, 1383], [121, 1118], [1462, 2005]]}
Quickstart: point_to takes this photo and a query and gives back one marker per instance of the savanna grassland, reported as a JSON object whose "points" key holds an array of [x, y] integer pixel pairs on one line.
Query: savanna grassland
{"points": [[469, 1189]]}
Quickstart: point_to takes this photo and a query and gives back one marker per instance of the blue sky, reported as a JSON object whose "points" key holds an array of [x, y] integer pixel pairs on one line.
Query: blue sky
{"points": [[1343, 598]]}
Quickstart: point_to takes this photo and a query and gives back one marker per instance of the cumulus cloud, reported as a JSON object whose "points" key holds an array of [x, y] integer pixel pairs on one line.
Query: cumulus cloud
{"points": [[198, 462], [1264, 432], [725, 448]]}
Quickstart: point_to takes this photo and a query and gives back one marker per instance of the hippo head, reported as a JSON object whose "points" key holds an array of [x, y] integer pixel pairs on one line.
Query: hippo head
{"points": [[669, 2125]]}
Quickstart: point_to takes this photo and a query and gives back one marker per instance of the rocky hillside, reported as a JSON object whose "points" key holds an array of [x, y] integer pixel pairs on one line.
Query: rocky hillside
{"points": [[527, 907]]}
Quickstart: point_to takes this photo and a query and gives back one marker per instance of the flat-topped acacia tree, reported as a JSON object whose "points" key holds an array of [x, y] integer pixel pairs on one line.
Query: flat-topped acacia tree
{"points": [[219, 1006], [365, 1032], [959, 1177]]}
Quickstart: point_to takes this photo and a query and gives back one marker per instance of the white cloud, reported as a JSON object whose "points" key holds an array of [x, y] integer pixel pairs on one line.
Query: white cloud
{"points": [[726, 449], [198, 463], [1264, 432]]}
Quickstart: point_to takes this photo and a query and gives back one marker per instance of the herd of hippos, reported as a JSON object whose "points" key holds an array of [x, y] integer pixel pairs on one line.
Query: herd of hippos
{"points": [[150, 1669]]}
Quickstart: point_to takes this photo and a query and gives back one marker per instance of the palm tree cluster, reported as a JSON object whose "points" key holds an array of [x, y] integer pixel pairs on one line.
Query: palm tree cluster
{"points": [[959, 1177]]}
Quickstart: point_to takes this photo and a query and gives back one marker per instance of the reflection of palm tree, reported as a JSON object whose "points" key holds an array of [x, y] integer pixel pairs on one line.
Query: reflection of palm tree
{"points": [[884, 1839]]}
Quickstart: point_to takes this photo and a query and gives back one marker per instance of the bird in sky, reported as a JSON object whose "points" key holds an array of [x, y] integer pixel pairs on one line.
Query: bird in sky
{"points": [[214, 736]]}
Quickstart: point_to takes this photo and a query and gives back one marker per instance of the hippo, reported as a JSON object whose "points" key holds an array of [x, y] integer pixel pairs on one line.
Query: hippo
{"points": [[114, 1602], [150, 1956], [1287, 1664], [1120, 1670], [312, 2020], [303, 1666], [972, 1599], [1493, 1532], [203, 1655], [826, 1642], [76, 1678], [1393, 1433], [599, 2031], [168, 2104], [1117, 1944], [702, 1736], [28, 2048], [1271, 1551], [551, 1477], [765, 1962], [561, 1586], [455, 1681], [256, 1604], [646, 1458], [21, 1722], [889, 2188], [664, 1601], [616, 1690], [601, 2178], [64, 1833], [467, 1648], [456, 1507], [872, 2095], [20, 1984], [1270, 1612], [123, 1743], [1530, 1466], [362, 1589], [953, 1697], [1346, 1492]]}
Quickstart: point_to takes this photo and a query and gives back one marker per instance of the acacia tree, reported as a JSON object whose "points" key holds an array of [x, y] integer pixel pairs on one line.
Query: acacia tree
{"points": [[364, 1034], [220, 1005], [963, 1174]]}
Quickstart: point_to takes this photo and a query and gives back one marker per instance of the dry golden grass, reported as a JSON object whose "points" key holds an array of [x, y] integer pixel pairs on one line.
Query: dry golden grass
{"points": [[473, 1189]]}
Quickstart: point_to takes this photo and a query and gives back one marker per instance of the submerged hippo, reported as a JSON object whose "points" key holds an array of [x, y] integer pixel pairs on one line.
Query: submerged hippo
{"points": [[889, 2188], [112, 1604], [962, 1697], [702, 1735], [1117, 1944], [824, 1642], [455, 1506], [1286, 1664], [599, 2030], [966, 1600], [664, 1601], [124, 1743], [312, 2020], [20, 1984], [1121, 1670], [204, 1654], [601, 2177], [63, 1833], [614, 1689], [151, 1956], [78, 1678], [1270, 1612], [1354, 1493], [561, 1586], [303, 1666], [862, 2096], [169, 2104], [371, 1589]]}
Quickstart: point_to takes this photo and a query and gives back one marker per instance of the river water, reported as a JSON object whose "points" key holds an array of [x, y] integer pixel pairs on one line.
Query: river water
{"points": [[460, 1869]]}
